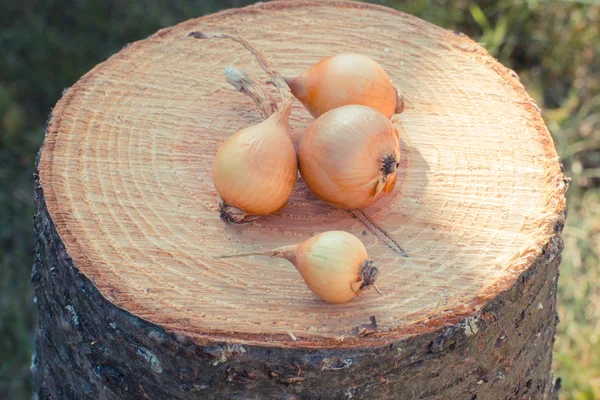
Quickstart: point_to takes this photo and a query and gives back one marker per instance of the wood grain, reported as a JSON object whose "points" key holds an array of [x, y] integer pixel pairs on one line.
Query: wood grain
{"points": [[126, 174]]}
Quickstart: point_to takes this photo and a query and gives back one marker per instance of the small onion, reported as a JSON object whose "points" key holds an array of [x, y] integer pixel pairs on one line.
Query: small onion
{"points": [[255, 169], [334, 264], [344, 79], [349, 156]]}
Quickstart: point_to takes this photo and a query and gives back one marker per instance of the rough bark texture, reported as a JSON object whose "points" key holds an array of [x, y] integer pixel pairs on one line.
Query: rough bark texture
{"points": [[89, 348]]}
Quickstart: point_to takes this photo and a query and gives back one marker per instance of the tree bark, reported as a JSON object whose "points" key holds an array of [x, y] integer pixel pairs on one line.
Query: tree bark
{"points": [[89, 348], [130, 308]]}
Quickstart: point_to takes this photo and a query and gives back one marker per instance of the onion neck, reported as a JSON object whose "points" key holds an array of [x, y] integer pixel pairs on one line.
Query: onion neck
{"points": [[286, 252], [283, 113], [297, 87]]}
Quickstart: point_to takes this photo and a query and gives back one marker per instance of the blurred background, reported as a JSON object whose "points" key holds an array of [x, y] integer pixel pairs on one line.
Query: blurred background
{"points": [[554, 46]]}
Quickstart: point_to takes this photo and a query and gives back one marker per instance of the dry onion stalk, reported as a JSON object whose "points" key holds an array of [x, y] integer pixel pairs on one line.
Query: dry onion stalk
{"points": [[334, 264], [349, 156], [344, 79]]}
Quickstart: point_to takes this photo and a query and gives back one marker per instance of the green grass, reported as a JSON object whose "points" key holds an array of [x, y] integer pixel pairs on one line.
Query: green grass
{"points": [[554, 46]]}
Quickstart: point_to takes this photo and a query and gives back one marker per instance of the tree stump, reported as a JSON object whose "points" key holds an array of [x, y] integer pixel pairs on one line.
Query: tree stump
{"points": [[134, 303]]}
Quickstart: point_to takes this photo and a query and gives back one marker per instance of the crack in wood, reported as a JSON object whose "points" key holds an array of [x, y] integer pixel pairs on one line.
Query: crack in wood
{"points": [[380, 233]]}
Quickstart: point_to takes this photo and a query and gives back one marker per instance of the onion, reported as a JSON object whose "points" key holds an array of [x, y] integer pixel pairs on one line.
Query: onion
{"points": [[255, 169], [345, 79], [349, 156], [334, 264]]}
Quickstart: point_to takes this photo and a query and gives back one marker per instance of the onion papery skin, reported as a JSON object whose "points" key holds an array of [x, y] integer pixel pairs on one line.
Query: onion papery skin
{"points": [[255, 170]]}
